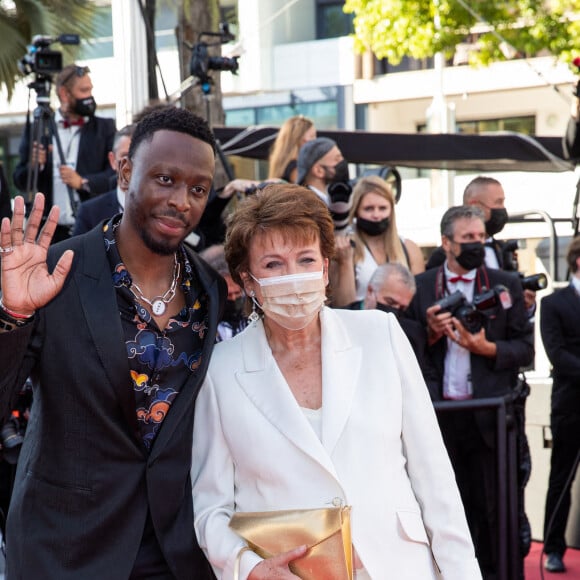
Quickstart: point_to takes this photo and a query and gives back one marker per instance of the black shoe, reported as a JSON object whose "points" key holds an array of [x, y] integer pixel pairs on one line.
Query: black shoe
{"points": [[554, 563]]}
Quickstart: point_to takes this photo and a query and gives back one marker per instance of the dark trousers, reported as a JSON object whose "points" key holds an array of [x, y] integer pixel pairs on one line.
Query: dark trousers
{"points": [[565, 446], [474, 464]]}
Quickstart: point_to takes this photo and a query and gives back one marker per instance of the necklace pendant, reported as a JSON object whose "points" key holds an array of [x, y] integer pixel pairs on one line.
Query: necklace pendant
{"points": [[158, 307]]}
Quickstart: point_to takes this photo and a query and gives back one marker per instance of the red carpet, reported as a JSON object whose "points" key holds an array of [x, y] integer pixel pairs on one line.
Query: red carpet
{"points": [[532, 565]]}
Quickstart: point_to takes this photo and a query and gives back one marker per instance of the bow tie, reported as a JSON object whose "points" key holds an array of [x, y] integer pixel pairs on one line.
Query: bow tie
{"points": [[77, 123], [456, 279]]}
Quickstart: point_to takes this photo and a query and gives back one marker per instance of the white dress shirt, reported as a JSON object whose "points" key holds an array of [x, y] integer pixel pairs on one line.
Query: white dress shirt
{"points": [[69, 140], [457, 365]]}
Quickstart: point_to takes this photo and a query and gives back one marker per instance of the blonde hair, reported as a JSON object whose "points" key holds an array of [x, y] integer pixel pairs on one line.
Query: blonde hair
{"points": [[287, 144], [391, 240]]}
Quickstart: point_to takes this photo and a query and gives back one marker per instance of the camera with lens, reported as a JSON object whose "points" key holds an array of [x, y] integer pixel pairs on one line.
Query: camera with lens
{"points": [[201, 63], [486, 304], [40, 59], [460, 308], [535, 282]]}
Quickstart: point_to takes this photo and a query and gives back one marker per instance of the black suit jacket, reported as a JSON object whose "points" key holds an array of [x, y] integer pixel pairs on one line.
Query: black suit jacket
{"points": [[560, 328], [84, 482], [510, 330], [94, 211], [571, 139], [96, 140]]}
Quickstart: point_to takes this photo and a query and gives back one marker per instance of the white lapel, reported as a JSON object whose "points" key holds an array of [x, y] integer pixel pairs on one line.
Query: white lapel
{"points": [[341, 362], [265, 386]]}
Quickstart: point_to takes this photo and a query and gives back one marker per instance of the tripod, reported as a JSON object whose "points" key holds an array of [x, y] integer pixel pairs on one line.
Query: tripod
{"points": [[43, 131]]}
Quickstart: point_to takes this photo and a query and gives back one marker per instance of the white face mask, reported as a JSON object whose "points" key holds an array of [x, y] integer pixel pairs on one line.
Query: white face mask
{"points": [[292, 301]]}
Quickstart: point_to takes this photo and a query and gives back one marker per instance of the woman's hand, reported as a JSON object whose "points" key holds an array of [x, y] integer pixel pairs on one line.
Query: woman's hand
{"points": [[277, 566], [26, 283], [344, 249]]}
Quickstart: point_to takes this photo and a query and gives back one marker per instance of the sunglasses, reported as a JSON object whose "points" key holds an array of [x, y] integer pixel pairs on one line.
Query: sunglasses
{"points": [[79, 71]]}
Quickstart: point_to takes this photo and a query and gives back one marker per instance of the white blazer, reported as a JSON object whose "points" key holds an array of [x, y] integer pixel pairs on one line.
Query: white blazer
{"points": [[381, 451]]}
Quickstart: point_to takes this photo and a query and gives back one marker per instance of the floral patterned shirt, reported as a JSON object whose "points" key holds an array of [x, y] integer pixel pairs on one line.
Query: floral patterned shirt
{"points": [[160, 360]]}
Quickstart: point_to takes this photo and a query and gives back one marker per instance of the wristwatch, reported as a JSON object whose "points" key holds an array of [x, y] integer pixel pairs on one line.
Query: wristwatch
{"points": [[85, 185]]}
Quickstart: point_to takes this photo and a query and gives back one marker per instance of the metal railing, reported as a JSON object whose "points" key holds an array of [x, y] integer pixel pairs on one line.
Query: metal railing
{"points": [[509, 561]]}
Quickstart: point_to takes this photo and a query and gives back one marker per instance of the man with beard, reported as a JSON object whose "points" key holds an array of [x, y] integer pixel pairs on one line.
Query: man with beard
{"points": [[85, 140], [322, 168], [115, 327], [472, 364]]}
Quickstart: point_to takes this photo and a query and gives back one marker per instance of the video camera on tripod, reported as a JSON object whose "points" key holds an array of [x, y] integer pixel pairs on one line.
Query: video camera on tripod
{"points": [[43, 62], [201, 63], [40, 59]]}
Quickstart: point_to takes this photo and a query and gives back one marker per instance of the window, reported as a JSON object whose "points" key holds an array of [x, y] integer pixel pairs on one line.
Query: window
{"points": [[331, 21], [324, 114], [525, 125]]}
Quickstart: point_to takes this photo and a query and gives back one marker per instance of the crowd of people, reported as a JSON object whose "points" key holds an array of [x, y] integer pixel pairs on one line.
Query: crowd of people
{"points": [[191, 361]]}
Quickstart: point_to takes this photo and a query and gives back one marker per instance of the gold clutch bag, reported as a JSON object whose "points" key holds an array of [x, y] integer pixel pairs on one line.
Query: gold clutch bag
{"points": [[325, 531]]}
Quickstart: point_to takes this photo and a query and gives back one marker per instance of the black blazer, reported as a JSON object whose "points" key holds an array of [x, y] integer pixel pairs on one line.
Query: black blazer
{"points": [[510, 330], [96, 141], [560, 328], [84, 483], [95, 210]]}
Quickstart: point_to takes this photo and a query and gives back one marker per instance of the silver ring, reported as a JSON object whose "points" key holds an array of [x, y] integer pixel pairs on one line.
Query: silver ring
{"points": [[7, 250]]}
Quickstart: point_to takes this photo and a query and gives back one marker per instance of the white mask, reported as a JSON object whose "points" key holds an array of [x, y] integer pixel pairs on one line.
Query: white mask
{"points": [[292, 301]]}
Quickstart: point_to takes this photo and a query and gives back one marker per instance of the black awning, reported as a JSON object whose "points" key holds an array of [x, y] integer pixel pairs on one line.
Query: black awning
{"points": [[480, 153]]}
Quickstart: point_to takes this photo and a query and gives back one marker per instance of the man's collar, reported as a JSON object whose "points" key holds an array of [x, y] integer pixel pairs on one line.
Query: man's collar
{"points": [[65, 122], [449, 274]]}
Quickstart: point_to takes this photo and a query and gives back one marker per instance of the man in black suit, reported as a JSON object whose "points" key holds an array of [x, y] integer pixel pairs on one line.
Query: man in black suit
{"points": [[487, 193], [560, 328], [115, 327], [105, 206], [86, 141], [472, 364]]}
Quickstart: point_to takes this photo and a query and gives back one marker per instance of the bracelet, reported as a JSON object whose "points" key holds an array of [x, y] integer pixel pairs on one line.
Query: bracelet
{"points": [[9, 322], [13, 314]]}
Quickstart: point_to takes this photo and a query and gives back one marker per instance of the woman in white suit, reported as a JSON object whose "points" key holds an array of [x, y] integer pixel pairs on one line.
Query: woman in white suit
{"points": [[310, 404]]}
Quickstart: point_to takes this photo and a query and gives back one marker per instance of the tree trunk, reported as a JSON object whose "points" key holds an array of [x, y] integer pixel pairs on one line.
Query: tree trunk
{"points": [[195, 17]]}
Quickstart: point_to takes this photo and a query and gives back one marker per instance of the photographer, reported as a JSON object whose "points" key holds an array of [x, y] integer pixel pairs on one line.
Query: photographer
{"points": [[479, 364], [571, 139], [86, 141], [560, 328], [487, 193]]}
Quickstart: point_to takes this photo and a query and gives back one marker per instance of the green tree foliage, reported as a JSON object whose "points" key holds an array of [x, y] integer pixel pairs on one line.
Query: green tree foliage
{"points": [[393, 29], [21, 20]]}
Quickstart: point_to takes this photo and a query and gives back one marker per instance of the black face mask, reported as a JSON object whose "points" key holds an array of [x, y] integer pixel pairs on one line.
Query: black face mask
{"points": [[472, 255], [373, 228], [340, 174], [386, 308], [85, 107], [497, 220], [233, 310]]}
